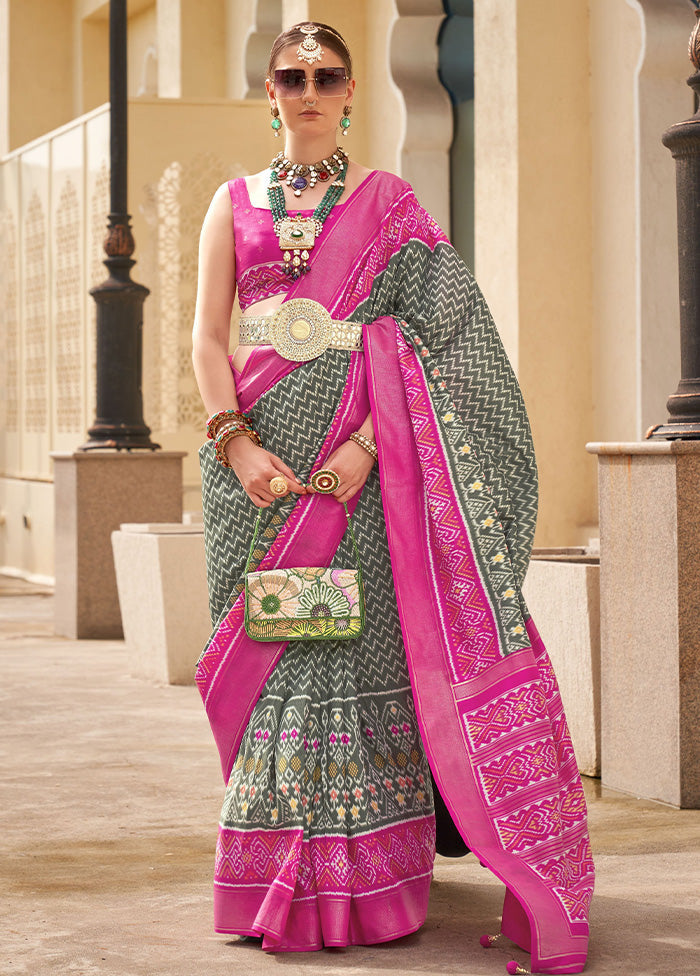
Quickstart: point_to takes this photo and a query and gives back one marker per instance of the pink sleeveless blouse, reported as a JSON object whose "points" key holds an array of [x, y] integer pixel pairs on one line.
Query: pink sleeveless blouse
{"points": [[259, 269]]}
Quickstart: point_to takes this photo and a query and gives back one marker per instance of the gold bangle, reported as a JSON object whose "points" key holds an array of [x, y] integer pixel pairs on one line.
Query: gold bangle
{"points": [[223, 439], [369, 445]]}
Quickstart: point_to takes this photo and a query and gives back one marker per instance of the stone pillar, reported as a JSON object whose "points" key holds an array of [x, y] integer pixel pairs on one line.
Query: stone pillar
{"points": [[94, 493], [191, 48], [649, 610]]}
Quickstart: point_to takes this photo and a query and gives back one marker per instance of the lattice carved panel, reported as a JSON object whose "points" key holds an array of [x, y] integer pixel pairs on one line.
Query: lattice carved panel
{"points": [[99, 208], [176, 206], [36, 323], [68, 324], [9, 368]]}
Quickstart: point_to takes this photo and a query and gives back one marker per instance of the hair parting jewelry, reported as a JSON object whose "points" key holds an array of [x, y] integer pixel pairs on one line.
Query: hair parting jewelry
{"points": [[309, 50], [323, 33], [369, 445]]}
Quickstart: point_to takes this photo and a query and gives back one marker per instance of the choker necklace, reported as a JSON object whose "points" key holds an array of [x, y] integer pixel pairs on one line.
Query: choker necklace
{"points": [[300, 176], [297, 235]]}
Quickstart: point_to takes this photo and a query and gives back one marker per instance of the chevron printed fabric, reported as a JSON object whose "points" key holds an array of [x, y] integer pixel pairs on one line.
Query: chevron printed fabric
{"points": [[327, 832]]}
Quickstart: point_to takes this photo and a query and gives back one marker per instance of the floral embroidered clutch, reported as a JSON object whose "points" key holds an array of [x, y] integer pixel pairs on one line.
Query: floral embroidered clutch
{"points": [[304, 603]]}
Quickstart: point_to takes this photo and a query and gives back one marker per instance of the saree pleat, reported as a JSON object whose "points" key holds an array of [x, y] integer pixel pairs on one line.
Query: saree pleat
{"points": [[327, 832]]}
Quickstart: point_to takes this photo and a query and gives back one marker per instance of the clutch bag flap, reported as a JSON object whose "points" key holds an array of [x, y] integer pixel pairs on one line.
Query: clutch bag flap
{"points": [[304, 603]]}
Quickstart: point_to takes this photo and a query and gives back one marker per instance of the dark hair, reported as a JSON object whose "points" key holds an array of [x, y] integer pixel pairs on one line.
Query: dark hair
{"points": [[325, 35]]}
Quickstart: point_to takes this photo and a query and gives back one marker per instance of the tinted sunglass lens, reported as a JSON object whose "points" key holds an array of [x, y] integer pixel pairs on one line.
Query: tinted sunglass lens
{"points": [[330, 81], [290, 81]]}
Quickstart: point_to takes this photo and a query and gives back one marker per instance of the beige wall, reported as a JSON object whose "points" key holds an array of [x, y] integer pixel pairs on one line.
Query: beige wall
{"points": [[191, 48], [40, 68], [533, 233], [575, 223]]}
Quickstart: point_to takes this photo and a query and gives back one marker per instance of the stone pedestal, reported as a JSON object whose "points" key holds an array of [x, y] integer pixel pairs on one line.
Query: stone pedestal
{"points": [[94, 493], [162, 582], [562, 593], [649, 495]]}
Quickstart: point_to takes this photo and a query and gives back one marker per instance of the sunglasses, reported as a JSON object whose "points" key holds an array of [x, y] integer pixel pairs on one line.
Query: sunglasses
{"points": [[291, 82]]}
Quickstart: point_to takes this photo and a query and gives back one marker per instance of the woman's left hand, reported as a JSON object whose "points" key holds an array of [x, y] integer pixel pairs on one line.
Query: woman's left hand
{"points": [[352, 464]]}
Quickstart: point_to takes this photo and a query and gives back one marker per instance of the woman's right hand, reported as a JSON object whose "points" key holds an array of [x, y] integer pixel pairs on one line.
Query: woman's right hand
{"points": [[255, 468]]}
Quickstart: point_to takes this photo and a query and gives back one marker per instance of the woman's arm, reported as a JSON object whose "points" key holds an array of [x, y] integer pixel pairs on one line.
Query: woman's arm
{"points": [[216, 289]]}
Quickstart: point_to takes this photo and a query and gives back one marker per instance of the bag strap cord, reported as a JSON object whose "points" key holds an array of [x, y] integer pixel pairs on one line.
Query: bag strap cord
{"points": [[256, 531]]}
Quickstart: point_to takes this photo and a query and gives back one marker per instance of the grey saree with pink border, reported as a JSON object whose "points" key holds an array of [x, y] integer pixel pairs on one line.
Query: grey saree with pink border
{"points": [[327, 834]]}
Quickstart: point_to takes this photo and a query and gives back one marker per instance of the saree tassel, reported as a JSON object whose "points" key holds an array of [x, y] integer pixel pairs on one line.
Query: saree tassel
{"points": [[515, 969], [488, 940]]}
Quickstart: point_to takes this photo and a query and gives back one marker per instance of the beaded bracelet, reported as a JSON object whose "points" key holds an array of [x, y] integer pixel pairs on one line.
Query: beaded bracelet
{"points": [[216, 419], [369, 445]]}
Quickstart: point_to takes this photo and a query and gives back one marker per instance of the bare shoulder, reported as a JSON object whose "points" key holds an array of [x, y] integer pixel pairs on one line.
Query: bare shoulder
{"points": [[356, 175], [220, 202], [218, 218], [257, 184]]}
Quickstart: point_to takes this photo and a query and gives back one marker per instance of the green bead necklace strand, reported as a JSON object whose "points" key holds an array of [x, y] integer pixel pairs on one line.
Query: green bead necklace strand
{"points": [[278, 206]]}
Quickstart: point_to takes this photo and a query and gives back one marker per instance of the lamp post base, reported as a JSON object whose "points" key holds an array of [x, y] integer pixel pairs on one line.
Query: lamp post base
{"points": [[689, 431]]}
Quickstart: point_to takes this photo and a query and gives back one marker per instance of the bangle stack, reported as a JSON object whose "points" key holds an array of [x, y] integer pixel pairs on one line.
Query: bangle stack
{"points": [[224, 426], [369, 445]]}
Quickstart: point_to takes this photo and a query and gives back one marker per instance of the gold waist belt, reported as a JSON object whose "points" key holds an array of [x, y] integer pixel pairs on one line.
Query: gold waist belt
{"points": [[300, 329]]}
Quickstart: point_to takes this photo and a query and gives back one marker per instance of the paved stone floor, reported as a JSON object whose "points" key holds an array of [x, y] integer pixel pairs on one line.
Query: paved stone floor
{"points": [[110, 797]]}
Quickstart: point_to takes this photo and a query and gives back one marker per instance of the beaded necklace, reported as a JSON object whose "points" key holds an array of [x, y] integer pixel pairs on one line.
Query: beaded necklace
{"points": [[297, 235]]}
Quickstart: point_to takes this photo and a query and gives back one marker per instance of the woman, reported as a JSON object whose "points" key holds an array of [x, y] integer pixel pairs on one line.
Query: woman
{"points": [[327, 835]]}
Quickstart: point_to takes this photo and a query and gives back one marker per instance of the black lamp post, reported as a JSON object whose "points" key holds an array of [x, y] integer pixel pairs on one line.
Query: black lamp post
{"points": [[119, 419], [683, 139]]}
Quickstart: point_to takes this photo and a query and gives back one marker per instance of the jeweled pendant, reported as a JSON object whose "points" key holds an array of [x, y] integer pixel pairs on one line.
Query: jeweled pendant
{"points": [[299, 183]]}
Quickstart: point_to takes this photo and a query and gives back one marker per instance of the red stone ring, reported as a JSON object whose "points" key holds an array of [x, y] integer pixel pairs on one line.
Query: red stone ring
{"points": [[324, 481]]}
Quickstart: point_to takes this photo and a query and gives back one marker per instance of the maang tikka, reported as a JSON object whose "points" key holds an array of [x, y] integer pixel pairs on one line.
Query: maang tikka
{"points": [[309, 50]]}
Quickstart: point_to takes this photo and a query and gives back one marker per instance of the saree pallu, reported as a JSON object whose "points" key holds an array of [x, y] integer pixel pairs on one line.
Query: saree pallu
{"points": [[327, 834]]}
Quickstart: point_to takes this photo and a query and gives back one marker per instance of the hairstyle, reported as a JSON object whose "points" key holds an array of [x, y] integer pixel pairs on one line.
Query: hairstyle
{"points": [[326, 35]]}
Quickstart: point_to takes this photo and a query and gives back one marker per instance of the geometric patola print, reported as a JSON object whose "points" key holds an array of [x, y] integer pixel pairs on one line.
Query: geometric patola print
{"points": [[354, 865], [576, 902], [572, 872], [562, 739], [455, 483], [518, 707], [570, 867], [261, 281], [415, 275], [540, 821], [529, 764]]}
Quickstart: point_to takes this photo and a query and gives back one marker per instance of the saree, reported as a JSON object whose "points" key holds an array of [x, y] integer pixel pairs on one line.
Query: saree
{"points": [[328, 833]]}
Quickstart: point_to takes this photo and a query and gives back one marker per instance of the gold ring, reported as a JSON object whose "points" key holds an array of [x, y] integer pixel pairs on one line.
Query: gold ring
{"points": [[325, 481], [278, 486]]}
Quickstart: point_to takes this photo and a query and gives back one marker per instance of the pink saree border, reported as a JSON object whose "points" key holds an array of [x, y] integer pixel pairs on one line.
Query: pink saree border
{"points": [[545, 916], [265, 877]]}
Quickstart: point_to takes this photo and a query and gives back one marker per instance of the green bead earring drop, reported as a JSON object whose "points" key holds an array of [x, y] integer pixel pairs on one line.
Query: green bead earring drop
{"points": [[276, 122], [345, 121]]}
